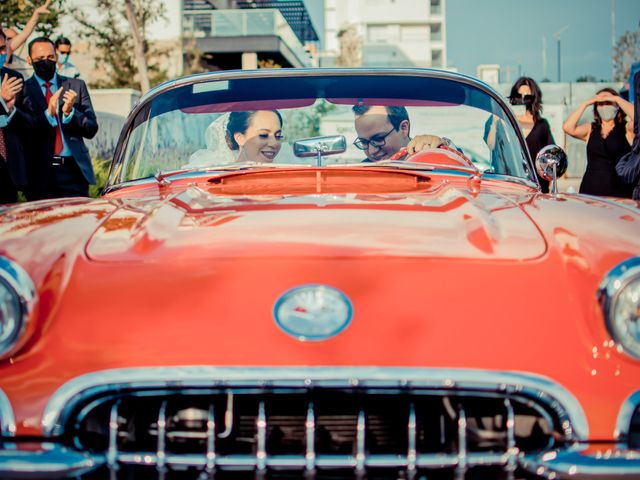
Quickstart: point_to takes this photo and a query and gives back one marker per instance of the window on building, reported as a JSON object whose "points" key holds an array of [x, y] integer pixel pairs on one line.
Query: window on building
{"points": [[190, 5], [414, 33], [436, 7], [377, 33], [198, 24], [436, 58], [383, 33], [436, 32]]}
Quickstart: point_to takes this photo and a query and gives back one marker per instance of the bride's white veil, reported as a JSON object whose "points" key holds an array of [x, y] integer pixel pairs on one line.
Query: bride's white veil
{"points": [[217, 151]]}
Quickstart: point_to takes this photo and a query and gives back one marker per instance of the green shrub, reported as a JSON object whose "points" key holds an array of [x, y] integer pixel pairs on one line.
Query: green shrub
{"points": [[101, 168]]}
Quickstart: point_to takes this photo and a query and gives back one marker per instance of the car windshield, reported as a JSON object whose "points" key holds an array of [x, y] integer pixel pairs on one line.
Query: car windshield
{"points": [[225, 122]]}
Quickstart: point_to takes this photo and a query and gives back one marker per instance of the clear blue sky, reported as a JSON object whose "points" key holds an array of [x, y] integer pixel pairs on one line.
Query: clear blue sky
{"points": [[510, 32]]}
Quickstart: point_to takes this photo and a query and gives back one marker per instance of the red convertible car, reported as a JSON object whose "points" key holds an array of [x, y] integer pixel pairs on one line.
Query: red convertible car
{"points": [[321, 274]]}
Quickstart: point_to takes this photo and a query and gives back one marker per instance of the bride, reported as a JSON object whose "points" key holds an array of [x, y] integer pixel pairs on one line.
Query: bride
{"points": [[238, 137]]}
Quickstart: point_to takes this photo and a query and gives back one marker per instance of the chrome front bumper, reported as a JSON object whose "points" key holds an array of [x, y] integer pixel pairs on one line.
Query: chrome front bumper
{"points": [[52, 461]]}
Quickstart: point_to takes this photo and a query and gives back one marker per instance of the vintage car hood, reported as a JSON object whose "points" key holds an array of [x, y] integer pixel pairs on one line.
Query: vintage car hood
{"points": [[444, 222]]}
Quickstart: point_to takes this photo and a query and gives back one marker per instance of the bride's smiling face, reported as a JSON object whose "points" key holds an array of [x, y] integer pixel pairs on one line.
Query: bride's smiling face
{"points": [[262, 140]]}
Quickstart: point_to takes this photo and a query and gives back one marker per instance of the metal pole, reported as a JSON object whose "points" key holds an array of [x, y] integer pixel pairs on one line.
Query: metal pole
{"points": [[544, 57], [613, 35], [559, 75]]}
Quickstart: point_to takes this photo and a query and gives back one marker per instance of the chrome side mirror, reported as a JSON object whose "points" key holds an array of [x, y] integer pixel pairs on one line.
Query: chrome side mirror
{"points": [[551, 163], [320, 146]]}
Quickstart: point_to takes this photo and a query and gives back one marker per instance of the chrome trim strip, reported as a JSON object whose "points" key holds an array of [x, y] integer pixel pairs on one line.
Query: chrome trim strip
{"points": [[211, 441], [412, 453], [608, 201], [112, 450], [17, 279], [624, 415], [361, 454], [310, 436], [462, 442], [54, 461], [512, 449], [576, 463], [7, 420], [261, 450], [544, 389], [161, 454], [51, 461]]}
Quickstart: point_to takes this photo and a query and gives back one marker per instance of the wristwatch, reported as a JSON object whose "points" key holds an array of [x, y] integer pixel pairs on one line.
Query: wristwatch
{"points": [[447, 142]]}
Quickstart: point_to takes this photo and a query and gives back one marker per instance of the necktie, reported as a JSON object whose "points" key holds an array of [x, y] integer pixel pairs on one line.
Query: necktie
{"points": [[3, 146], [58, 145]]}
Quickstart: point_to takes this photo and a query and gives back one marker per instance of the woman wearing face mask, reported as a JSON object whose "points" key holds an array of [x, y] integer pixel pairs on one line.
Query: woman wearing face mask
{"points": [[526, 102], [608, 138]]}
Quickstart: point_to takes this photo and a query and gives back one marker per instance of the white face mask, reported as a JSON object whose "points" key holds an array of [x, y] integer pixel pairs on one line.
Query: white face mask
{"points": [[519, 110], [607, 112]]}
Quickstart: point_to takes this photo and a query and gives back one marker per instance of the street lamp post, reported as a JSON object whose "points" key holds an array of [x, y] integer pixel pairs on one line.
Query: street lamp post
{"points": [[559, 63], [557, 35]]}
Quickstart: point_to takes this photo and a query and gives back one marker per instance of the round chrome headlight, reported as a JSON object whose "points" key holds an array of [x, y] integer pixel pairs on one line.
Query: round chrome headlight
{"points": [[17, 299], [619, 296]]}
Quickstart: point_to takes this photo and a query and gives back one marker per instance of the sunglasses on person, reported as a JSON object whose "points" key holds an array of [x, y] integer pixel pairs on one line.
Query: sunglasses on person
{"points": [[521, 99], [377, 141]]}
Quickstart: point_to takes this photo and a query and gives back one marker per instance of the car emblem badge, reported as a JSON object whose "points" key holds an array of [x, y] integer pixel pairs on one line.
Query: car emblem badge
{"points": [[313, 312]]}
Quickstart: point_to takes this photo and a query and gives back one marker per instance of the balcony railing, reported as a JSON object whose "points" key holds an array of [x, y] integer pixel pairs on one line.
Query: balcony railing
{"points": [[243, 23]]}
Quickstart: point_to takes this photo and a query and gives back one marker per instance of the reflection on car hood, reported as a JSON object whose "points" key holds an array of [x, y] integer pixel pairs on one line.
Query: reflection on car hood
{"points": [[445, 222]]}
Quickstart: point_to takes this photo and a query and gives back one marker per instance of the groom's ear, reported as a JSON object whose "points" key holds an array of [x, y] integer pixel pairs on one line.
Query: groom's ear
{"points": [[404, 127]]}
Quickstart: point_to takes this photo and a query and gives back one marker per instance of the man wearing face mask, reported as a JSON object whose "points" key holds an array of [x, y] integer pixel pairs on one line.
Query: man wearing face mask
{"points": [[609, 138], [63, 50], [13, 122], [61, 116]]}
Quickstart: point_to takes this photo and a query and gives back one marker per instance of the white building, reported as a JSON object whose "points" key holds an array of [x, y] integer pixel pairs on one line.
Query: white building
{"points": [[489, 73], [399, 33]]}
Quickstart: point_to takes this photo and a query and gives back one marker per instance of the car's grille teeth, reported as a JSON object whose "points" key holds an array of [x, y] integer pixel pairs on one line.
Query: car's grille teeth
{"points": [[311, 431]]}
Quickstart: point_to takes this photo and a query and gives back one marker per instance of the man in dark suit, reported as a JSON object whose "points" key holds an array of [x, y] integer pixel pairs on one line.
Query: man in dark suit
{"points": [[629, 165], [13, 121], [61, 117]]}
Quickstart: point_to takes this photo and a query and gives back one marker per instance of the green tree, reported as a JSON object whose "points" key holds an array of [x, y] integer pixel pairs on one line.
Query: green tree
{"points": [[109, 34], [586, 78], [268, 63], [16, 14], [625, 52], [193, 57], [350, 47]]}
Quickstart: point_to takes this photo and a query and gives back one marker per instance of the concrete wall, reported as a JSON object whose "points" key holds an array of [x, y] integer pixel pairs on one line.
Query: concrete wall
{"points": [[118, 101], [112, 106]]}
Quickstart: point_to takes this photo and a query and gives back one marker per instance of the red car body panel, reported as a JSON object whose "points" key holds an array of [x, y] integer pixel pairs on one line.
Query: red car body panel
{"points": [[502, 250]]}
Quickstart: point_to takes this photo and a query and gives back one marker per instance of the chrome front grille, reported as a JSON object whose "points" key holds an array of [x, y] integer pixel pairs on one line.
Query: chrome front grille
{"points": [[315, 431]]}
